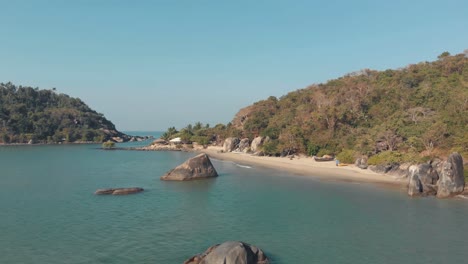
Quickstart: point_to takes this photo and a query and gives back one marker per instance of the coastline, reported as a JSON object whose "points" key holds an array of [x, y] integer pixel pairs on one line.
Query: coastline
{"points": [[307, 167]]}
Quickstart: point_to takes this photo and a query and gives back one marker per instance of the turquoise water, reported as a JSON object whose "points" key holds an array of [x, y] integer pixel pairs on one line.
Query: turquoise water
{"points": [[48, 213]]}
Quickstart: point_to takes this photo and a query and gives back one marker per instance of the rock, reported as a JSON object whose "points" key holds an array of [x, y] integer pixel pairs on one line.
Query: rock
{"points": [[119, 191], [256, 144], [422, 180], [361, 162], [160, 141], [244, 145], [231, 252], [384, 168], [451, 179], [230, 144], [194, 168]]}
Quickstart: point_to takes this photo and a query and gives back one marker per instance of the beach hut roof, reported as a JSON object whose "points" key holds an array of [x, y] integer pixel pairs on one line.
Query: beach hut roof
{"points": [[175, 140]]}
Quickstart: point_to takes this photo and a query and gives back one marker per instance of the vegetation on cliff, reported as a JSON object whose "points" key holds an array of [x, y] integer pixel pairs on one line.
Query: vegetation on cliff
{"points": [[44, 116], [410, 113]]}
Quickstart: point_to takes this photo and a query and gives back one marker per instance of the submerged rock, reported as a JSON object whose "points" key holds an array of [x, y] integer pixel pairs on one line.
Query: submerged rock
{"points": [[198, 167], [119, 191], [230, 252], [451, 179]]}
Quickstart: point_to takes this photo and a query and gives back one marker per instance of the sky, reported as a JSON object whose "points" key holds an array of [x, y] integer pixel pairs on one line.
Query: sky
{"points": [[149, 65]]}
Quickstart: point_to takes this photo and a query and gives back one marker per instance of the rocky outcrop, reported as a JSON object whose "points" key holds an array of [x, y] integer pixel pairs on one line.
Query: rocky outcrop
{"points": [[451, 179], [422, 180], [231, 252], [198, 167], [361, 163], [119, 191], [399, 171], [256, 144], [160, 141], [231, 144], [244, 145]]}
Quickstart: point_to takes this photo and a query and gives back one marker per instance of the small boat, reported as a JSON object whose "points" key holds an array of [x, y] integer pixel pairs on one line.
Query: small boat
{"points": [[324, 159]]}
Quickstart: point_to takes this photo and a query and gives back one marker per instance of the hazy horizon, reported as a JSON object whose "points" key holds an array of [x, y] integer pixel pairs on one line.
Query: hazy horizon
{"points": [[150, 65]]}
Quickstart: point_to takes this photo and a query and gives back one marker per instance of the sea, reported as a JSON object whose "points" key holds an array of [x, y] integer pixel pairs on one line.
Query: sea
{"points": [[49, 213]]}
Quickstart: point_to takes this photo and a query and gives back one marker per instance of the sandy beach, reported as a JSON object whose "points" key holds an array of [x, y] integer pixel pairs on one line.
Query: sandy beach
{"points": [[306, 166]]}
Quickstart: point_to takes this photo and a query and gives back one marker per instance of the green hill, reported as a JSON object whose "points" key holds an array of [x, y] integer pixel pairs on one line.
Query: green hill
{"points": [[44, 116], [417, 111]]}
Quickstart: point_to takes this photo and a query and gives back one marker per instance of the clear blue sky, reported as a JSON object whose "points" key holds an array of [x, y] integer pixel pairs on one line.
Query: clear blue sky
{"points": [[148, 65]]}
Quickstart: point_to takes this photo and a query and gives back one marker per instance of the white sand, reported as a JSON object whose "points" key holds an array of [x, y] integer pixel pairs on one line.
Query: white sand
{"points": [[306, 166]]}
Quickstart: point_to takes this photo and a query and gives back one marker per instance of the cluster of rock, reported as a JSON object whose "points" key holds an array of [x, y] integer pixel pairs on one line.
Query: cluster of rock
{"points": [[441, 178], [233, 144], [164, 145], [198, 167], [119, 191], [231, 252], [119, 137]]}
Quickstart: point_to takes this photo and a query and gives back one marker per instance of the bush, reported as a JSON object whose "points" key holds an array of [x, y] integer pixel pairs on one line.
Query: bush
{"points": [[325, 151], [108, 144], [386, 157], [392, 157], [271, 147], [346, 156]]}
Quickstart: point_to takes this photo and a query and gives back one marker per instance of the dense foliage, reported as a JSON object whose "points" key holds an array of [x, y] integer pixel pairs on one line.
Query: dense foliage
{"points": [[44, 116], [421, 109]]}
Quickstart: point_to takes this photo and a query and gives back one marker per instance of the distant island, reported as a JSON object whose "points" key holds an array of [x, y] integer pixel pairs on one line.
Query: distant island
{"points": [[31, 116]]}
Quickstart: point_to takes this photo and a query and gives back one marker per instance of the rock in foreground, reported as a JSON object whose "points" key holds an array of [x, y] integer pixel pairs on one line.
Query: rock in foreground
{"points": [[198, 167], [119, 191], [231, 252]]}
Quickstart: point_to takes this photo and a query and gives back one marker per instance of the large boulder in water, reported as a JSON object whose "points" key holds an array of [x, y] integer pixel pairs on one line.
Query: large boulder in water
{"points": [[451, 179], [422, 180], [231, 252], [230, 144], [198, 167]]}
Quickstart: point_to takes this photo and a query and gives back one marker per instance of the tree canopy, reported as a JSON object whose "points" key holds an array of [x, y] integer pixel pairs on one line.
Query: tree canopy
{"points": [[46, 116]]}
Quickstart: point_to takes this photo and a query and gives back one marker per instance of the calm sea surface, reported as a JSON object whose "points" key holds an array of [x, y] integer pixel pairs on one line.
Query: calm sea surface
{"points": [[48, 213]]}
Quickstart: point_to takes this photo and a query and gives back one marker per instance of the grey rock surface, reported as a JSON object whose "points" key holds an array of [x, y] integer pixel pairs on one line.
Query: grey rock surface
{"points": [[198, 167], [244, 145], [119, 191], [230, 252], [451, 179], [422, 180], [231, 144], [256, 144]]}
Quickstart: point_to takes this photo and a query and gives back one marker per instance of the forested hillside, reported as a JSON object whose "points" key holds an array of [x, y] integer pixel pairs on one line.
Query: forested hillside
{"points": [[43, 116], [421, 109]]}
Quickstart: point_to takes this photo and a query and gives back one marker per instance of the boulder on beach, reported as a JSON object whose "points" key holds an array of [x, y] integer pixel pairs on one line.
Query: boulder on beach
{"points": [[230, 144], [451, 179], [256, 144], [422, 180], [119, 191], [198, 167], [361, 163], [230, 252], [244, 145]]}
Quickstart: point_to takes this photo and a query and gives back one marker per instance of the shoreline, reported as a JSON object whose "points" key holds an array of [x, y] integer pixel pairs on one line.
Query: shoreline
{"points": [[307, 167]]}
